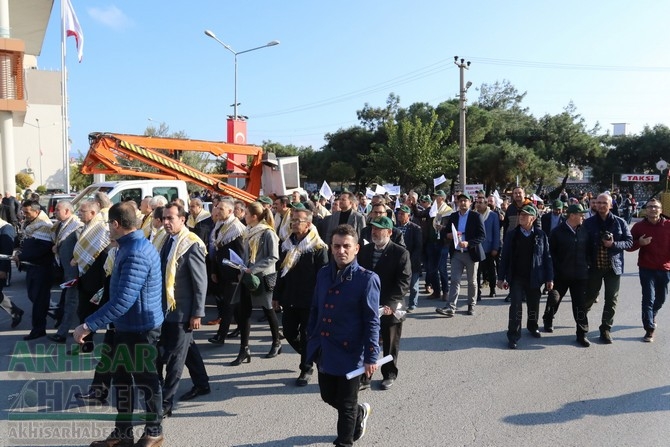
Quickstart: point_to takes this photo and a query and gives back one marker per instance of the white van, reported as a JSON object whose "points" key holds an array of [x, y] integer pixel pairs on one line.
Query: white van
{"points": [[136, 190]]}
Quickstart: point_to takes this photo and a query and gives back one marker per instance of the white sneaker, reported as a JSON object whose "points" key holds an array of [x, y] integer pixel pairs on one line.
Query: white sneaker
{"points": [[364, 422]]}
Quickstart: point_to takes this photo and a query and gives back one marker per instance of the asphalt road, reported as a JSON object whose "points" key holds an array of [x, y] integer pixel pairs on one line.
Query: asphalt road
{"points": [[459, 385]]}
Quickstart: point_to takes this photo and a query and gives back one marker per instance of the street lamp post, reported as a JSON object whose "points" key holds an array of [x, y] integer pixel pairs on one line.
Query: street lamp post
{"points": [[209, 33], [463, 65]]}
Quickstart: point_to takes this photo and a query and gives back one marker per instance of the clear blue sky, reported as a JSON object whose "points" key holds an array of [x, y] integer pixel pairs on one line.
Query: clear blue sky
{"points": [[151, 59]]}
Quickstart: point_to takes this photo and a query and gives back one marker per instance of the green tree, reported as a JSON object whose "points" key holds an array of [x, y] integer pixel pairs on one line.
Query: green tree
{"points": [[350, 146], [414, 153], [501, 95], [23, 180]]}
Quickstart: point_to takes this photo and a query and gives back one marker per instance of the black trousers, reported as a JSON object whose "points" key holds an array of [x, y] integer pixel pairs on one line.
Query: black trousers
{"points": [[243, 316], [342, 394], [294, 322], [102, 379], [390, 333], [137, 365], [577, 289], [518, 290], [38, 281], [224, 307], [196, 366], [175, 342]]}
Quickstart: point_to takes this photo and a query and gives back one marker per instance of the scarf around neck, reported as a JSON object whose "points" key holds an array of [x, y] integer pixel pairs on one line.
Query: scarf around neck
{"points": [[252, 236], [184, 240], [310, 243], [39, 228], [230, 230]]}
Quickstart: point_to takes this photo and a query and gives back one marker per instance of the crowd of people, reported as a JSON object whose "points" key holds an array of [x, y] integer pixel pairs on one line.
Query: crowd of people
{"points": [[343, 274]]}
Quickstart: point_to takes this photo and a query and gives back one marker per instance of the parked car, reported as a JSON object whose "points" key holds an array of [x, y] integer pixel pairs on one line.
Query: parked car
{"points": [[48, 202]]}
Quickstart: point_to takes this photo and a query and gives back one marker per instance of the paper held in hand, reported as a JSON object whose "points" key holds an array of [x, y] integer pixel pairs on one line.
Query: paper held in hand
{"points": [[235, 261], [454, 233], [359, 371]]}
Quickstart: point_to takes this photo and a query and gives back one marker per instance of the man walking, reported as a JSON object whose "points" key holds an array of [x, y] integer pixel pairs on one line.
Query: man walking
{"points": [[343, 333], [465, 255], [7, 235], [135, 309], [184, 291], [652, 237], [525, 266], [608, 237], [301, 257], [491, 245], [411, 234], [568, 247], [391, 263]]}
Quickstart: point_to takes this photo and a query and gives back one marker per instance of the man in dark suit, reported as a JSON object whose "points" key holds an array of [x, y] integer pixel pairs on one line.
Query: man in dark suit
{"points": [[378, 210], [414, 244], [466, 256], [391, 263], [184, 291], [549, 221], [346, 215]]}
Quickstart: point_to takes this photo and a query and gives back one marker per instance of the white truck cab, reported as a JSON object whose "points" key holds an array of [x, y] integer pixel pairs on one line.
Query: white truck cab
{"points": [[136, 190]]}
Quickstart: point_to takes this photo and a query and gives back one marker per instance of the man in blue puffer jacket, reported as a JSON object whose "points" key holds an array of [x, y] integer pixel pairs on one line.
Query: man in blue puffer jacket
{"points": [[135, 308]]}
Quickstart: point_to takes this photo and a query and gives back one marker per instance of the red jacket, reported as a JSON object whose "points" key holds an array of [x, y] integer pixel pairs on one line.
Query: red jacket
{"points": [[655, 256]]}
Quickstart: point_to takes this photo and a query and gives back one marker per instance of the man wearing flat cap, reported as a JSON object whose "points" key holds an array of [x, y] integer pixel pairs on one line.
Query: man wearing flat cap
{"points": [[568, 246], [525, 266], [549, 221], [391, 263]]}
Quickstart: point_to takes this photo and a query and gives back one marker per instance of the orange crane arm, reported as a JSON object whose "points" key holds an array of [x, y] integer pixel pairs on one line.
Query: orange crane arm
{"points": [[106, 150]]}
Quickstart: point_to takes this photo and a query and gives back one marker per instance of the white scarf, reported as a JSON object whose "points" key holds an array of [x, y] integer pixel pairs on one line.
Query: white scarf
{"points": [[311, 242], [252, 236], [231, 229]]}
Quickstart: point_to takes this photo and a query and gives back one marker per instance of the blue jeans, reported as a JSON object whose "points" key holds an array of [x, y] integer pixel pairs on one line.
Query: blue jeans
{"points": [[413, 299], [654, 290]]}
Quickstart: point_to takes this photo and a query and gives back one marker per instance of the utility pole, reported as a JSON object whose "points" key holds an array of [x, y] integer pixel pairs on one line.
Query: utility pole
{"points": [[462, 65]]}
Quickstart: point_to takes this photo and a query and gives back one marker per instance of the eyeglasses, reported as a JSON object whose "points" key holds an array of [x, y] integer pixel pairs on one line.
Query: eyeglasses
{"points": [[298, 220]]}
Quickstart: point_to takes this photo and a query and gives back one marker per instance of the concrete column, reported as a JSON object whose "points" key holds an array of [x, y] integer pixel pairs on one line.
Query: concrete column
{"points": [[7, 179]]}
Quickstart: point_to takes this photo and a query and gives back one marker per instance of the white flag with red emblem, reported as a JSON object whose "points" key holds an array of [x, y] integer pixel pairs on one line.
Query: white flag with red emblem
{"points": [[72, 28]]}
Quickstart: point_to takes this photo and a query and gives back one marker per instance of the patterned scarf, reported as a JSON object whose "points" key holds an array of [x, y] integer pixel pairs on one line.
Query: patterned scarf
{"points": [[109, 262], [39, 228], [231, 229], [310, 243], [146, 224], [252, 237], [158, 238], [185, 238], [94, 238], [193, 220], [284, 226], [442, 211], [61, 231]]}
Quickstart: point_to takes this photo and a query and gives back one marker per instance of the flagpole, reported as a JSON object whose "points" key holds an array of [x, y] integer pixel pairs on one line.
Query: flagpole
{"points": [[66, 164]]}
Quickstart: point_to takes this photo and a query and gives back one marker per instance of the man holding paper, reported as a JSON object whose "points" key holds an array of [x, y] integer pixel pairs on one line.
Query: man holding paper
{"points": [[343, 332]]}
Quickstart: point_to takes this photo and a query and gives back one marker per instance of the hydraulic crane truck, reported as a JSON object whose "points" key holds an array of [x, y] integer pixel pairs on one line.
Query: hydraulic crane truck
{"points": [[160, 159]]}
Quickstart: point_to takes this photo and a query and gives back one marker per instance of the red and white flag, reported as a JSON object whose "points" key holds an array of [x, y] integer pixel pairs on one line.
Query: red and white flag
{"points": [[72, 28], [70, 283]]}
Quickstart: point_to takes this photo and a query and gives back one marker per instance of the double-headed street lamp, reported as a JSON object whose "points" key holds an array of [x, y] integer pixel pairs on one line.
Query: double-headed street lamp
{"points": [[236, 53]]}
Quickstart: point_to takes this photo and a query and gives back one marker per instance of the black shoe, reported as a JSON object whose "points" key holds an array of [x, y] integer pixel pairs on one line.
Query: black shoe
{"points": [[582, 341], [218, 339], [387, 384], [511, 344], [243, 356], [492, 294], [535, 333], [17, 315], [548, 328], [274, 351], [84, 348], [57, 338], [304, 378], [167, 410], [234, 333], [471, 310], [195, 392], [34, 335], [365, 384], [605, 337], [93, 395]]}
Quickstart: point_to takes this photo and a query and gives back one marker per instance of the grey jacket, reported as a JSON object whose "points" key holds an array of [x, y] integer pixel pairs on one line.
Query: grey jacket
{"points": [[190, 289]]}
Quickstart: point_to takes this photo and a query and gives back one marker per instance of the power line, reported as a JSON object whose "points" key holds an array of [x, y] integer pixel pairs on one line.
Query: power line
{"points": [[562, 66]]}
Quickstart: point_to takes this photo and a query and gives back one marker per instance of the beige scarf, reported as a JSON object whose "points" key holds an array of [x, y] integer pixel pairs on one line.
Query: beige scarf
{"points": [[61, 231], [284, 226], [158, 238], [93, 239], [185, 238], [310, 243], [442, 211], [252, 237], [39, 228], [231, 229], [194, 220], [146, 224], [109, 262]]}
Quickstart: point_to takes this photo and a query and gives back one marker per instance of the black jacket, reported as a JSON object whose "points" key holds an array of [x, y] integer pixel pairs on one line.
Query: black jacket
{"points": [[296, 288], [413, 238], [394, 271], [569, 252], [474, 230]]}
